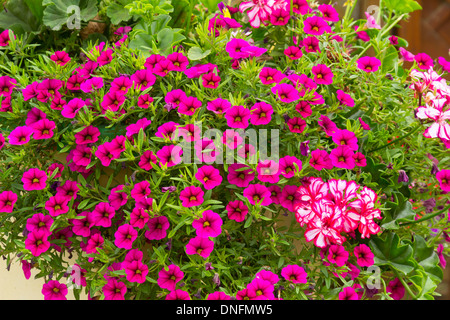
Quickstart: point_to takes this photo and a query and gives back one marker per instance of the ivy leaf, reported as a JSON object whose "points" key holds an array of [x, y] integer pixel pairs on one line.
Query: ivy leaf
{"points": [[196, 53], [392, 252], [425, 284], [400, 211], [62, 12], [19, 18], [403, 6], [427, 258]]}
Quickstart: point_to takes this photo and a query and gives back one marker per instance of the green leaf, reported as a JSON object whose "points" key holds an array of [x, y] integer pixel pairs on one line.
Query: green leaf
{"points": [[427, 258], [165, 39], [19, 18], [117, 12], [400, 211], [390, 59], [196, 53], [64, 12], [392, 252], [402, 6]]}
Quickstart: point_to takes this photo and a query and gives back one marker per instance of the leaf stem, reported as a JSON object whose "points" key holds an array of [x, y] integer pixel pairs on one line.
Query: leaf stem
{"points": [[426, 217], [396, 140]]}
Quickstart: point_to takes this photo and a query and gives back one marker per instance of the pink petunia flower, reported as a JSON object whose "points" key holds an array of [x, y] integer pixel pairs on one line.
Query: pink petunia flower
{"points": [[348, 293], [60, 58], [157, 228], [191, 196], [168, 279], [364, 256], [342, 157], [286, 92], [323, 74], [136, 271], [200, 245], [209, 225], [209, 176], [20, 135], [124, 236], [316, 25], [114, 289], [39, 222], [396, 289], [178, 294], [443, 176], [237, 210], [270, 75], [329, 13], [240, 174], [268, 171], [345, 99], [7, 201], [179, 61], [34, 179], [368, 64], [424, 61], [54, 290], [296, 125], [294, 273], [261, 113], [210, 80], [238, 117], [219, 106], [293, 52], [37, 242], [257, 193], [169, 155], [344, 137], [338, 255]]}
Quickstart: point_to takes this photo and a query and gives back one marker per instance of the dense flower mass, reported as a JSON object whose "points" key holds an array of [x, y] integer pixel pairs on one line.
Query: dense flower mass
{"points": [[268, 156]]}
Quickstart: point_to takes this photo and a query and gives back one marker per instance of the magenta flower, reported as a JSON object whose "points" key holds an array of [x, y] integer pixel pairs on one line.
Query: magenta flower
{"points": [[147, 159], [37, 242], [279, 17], [179, 61], [289, 198], [270, 75], [444, 63], [178, 294], [82, 155], [167, 130], [259, 11], [124, 236], [218, 295], [263, 289], [368, 64], [406, 55], [323, 74], [43, 129], [88, 135], [169, 155], [261, 113], [268, 276], [69, 190], [210, 80], [168, 279], [157, 228], [258, 194], [39, 222], [348, 293], [345, 137], [329, 13], [268, 171], [175, 97], [320, 159], [117, 198], [443, 177], [304, 108], [237, 210], [360, 159], [57, 205], [364, 256], [342, 157], [301, 7], [144, 101], [287, 166], [232, 139], [102, 214], [396, 289], [219, 106], [140, 190], [20, 135], [114, 289], [285, 92], [139, 217], [316, 25], [34, 179], [151, 61], [53, 290], [246, 294], [163, 67], [26, 268], [327, 125], [71, 109], [275, 192], [311, 44], [240, 175], [134, 128], [112, 100], [83, 224], [424, 61], [209, 225], [201, 246], [294, 273], [293, 52], [7, 201], [60, 57], [238, 117], [338, 255], [143, 79], [296, 125], [136, 271], [345, 99], [188, 105], [191, 196], [209, 176], [7, 84], [4, 38]]}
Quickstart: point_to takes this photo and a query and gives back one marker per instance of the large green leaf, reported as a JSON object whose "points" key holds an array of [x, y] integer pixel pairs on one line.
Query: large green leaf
{"points": [[427, 258], [390, 251], [402, 6], [117, 11], [62, 12], [400, 211], [19, 18], [196, 53]]}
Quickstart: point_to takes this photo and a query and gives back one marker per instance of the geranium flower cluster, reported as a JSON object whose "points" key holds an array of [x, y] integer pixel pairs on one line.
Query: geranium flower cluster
{"points": [[334, 208]]}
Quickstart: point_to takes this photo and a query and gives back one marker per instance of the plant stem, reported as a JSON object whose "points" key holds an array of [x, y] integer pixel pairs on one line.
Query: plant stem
{"points": [[426, 217], [405, 285], [396, 140]]}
